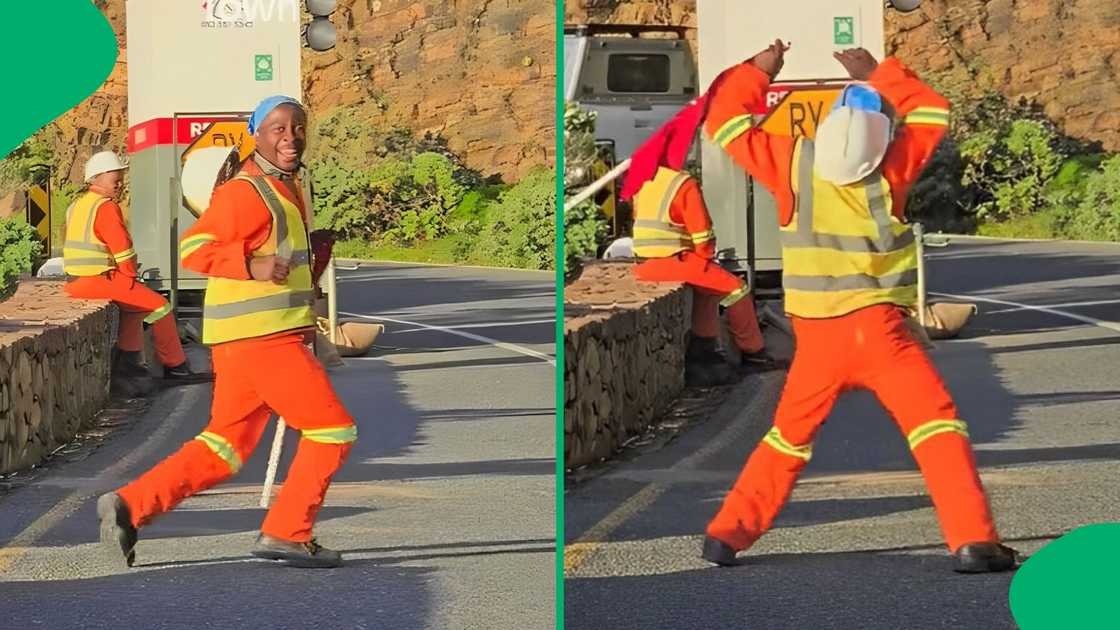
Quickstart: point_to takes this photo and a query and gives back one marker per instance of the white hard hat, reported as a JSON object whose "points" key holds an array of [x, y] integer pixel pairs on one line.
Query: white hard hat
{"points": [[850, 144], [103, 162]]}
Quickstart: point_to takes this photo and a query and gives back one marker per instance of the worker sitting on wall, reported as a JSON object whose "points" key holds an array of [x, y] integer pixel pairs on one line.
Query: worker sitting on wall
{"points": [[850, 273], [100, 262], [673, 233]]}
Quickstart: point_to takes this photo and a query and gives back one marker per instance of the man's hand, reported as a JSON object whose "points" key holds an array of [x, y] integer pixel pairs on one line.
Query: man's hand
{"points": [[858, 62], [267, 268], [772, 59]]}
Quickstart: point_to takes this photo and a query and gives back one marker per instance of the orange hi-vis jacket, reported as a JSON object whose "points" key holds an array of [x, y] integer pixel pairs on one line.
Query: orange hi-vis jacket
{"points": [[769, 158]]}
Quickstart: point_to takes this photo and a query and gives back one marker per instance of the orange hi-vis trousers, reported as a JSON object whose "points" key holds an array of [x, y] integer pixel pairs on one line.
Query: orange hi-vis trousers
{"points": [[711, 284], [138, 305], [871, 348], [253, 378]]}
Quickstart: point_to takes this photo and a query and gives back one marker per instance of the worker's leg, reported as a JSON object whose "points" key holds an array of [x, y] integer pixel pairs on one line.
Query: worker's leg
{"points": [[133, 297], [130, 327], [298, 389], [770, 473], [705, 314], [709, 277], [237, 419], [907, 383]]}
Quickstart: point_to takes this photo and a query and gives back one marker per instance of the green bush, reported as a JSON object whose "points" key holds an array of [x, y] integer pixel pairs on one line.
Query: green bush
{"points": [[1096, 216], [1009, 166], [520, 230], [19, 247], [585, 228]]}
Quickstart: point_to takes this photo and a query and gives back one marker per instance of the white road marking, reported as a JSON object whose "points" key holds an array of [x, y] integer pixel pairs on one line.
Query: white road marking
{"points": [[454, 331], [1063, 305], [532, 322], [1113, 326]]}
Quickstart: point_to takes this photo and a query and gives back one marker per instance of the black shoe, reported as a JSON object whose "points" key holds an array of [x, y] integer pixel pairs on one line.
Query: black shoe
{"points": [[308, 555], [760, 362], [183, 375], [129, 364], [718, 552], [987, 557], [118, 536], [709, 374]]}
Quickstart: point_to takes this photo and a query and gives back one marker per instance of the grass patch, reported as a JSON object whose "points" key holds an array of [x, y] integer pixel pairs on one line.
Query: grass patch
{"points": [[443, 251], [1039, 225]]}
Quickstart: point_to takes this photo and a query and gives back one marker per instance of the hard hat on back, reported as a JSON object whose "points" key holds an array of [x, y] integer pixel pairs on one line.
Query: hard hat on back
{"points": [[103, 162], [853, 138]]}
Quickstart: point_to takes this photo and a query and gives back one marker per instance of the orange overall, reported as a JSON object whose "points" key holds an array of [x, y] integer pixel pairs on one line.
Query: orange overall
{"points": [[697, 268], [137, 303], [869, 347], [254, 377]]}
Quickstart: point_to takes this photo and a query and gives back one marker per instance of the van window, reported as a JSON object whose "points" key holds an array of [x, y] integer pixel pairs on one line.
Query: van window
{"points": [[638, 73]]}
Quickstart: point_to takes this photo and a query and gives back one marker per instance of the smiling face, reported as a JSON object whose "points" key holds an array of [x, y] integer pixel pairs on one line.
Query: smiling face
{"points": [[282, 137]]}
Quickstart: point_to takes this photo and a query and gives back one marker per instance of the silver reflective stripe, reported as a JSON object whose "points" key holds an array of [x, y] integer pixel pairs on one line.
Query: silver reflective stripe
{"points": [[259, 305], [805, 188], [88, 235], [859, 244], [279, 215], [876, 201], [88, 261], [670, 194], [300, 257], [85, 247], [659, 241], [850, 283], [653, 225]]}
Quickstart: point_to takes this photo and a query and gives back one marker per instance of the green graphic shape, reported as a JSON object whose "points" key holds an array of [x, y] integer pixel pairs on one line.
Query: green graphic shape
{"points": [[1071, 582], [843, 31], [46, 74], [262, 66]]}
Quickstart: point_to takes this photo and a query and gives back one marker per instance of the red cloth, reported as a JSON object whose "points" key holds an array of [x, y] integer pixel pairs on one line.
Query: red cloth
{"points": [[669, 145], [322, 244]]}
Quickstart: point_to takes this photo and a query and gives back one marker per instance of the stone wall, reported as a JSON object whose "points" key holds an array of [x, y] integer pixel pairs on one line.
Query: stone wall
{"points": [[623, 358], [54, 370]]}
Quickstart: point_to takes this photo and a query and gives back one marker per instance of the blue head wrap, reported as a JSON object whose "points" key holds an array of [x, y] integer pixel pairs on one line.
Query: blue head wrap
{"points": [[265, 108], [859, 97]]}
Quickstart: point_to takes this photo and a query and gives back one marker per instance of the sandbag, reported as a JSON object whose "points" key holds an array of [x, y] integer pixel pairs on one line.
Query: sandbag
{"points": [[355, 338], [945, 320]]}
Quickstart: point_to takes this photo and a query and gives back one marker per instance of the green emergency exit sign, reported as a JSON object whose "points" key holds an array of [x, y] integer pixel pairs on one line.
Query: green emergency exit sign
{"points": [[262, 65], [843, 31]]}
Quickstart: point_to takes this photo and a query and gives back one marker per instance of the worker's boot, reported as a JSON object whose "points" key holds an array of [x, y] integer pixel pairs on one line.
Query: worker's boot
{"points": [[129, 363], [760, 362], [118, 536], [718, 552], [705, 365], [308, 555], [182, 374], [985, 557]]}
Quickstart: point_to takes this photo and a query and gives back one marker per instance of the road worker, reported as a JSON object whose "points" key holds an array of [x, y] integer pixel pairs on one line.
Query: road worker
{"points": [[100, 263], [850, 273], [252, 242], [673, 234]]}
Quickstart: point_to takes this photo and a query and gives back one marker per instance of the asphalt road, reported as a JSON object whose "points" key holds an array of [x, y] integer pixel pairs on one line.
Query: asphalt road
{"points": [[445, 509], [858, 546]]}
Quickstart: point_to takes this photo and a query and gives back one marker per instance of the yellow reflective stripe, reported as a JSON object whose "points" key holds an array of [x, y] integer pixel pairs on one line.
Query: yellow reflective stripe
{"points": [[191, 245], [732, 129], [332, 435], [777, 442], [935, 427], [125, 255], [222, 448], [734, 296], [158, 314], [702, 237], [928, 116]]}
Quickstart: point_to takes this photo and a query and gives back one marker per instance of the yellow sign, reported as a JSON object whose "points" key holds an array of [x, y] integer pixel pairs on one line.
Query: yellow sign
{"points": [[800, 111], [39, 213], [229, 133]]}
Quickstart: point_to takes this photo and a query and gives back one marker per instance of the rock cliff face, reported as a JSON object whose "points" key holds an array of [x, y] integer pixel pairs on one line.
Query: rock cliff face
{"points": [[481, 74], [1064, 55]]}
